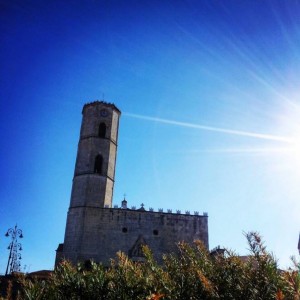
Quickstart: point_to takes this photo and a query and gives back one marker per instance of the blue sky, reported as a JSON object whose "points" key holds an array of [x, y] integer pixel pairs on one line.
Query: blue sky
{"points": [[209, 94]]}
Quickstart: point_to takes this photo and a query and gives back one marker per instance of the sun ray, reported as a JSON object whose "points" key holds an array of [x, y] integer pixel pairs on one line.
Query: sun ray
{"points": [[250, 150], [272, 89], [211, 128]]}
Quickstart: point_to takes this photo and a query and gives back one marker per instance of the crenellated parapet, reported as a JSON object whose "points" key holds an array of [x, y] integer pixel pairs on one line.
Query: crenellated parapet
{"points": [[99, 102], [159, 210]]}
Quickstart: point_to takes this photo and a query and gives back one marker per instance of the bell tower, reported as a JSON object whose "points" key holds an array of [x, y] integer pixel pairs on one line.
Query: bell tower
{"points": [[93, 180], [94, 174]]}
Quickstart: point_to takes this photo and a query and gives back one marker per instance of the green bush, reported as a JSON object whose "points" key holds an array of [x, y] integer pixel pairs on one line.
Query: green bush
{"points": [[192, 273]]}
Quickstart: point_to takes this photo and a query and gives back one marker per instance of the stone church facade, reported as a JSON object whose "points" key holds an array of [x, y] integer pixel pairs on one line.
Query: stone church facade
{"points": [[95, 229]]}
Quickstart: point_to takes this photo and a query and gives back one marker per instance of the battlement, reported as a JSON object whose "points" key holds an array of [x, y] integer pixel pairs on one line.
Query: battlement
{"points": [[99, 102], [159, 210]]}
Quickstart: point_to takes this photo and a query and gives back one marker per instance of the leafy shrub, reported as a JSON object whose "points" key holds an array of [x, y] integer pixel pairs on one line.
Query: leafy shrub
{"points": [[192, 273]]}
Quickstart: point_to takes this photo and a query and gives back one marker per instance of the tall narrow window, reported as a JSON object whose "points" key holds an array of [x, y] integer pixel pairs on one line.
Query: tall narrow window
{"points": [[102, 130], [98, 164]]}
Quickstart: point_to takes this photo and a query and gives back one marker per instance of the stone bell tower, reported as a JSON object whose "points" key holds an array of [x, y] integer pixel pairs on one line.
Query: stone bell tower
{"points": [[94, 174], [93, 180]]}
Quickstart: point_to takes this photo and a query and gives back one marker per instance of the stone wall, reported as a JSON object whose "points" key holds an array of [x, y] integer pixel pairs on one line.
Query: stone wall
{"points": [[105, 231]]}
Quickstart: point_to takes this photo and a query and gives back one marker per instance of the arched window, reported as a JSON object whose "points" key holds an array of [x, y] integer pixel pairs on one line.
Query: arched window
{"points": [[102, 130], [98, 164]]}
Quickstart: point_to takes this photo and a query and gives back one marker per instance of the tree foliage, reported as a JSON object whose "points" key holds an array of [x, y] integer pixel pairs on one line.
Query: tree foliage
{"points": [[192, 273]]}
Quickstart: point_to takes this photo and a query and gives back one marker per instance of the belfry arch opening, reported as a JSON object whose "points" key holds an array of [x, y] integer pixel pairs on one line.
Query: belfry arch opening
{"points": [[98, 164], [102, 130]]}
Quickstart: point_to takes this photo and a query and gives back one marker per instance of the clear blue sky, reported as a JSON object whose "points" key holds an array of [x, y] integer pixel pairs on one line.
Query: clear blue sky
{"points": [[209, 94]]}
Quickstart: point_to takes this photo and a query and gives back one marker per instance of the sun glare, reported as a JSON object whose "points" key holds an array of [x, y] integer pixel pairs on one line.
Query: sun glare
{"points": [[289, 126], [282, 144]]}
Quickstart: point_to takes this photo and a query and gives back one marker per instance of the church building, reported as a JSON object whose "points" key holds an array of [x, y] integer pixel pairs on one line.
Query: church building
{"points": [[96, 230]]}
